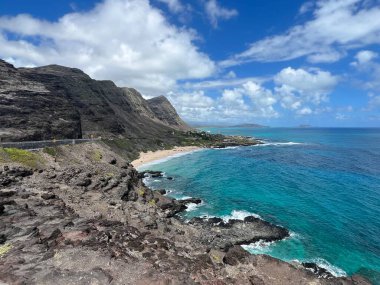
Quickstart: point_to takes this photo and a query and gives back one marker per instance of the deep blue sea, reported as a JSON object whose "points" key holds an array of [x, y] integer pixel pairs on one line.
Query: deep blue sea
{"points": [[323, 184]]}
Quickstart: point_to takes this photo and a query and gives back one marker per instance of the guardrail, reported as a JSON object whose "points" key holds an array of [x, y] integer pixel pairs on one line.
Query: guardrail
{"points": [[46, 143]]}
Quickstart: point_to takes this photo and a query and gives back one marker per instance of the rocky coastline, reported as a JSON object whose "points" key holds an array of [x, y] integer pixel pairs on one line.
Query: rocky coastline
{"points": [[82, 215]]}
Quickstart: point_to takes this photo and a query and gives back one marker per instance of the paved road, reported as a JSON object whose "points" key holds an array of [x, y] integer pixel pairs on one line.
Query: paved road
{"points": [[47, 143]]}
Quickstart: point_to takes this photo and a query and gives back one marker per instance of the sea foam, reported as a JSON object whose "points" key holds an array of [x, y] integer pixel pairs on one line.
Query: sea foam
{"points": [[279, 143], [322, 263], [239, 215]]}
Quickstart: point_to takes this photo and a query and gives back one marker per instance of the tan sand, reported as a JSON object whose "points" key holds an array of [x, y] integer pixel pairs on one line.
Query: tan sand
{"points": [[150, 156]]}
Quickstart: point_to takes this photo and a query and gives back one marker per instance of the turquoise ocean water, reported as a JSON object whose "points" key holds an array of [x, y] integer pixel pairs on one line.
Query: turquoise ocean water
{"points": [[321, 184]]}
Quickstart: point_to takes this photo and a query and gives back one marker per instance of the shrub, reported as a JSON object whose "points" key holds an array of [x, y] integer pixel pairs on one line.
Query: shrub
{"points": [[97, 156], [5, 248], [21, 156], [52, 151]]}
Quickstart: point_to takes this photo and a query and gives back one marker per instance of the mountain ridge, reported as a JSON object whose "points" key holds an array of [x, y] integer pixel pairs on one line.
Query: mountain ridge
{"points": [[54, 101]]}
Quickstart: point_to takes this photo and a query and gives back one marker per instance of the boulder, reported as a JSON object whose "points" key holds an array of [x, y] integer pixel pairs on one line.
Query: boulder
{"points": [[236, 255]]}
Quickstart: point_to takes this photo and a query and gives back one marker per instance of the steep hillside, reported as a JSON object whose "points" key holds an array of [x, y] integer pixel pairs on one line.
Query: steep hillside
{"points": [[29, 110], [166, 112], [60, 102]]}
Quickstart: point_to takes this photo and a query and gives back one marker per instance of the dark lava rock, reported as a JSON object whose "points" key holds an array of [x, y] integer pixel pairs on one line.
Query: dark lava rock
{"points": [[255, 280], [161, 191], [7, 194], [321, 272], [83, 182], [169, 178], [20, 172], [221, 234], [151, 173], [113, 161], [48, 196], [192, 200], [236, 255]]}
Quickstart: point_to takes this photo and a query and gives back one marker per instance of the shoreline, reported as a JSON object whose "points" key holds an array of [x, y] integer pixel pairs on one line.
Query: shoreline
{"points": [[153, 156], [106, 217]]}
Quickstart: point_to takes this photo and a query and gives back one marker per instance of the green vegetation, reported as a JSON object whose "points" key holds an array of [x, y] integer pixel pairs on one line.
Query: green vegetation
{"points": [[130, 148], [97, 156], [152, 202], [52, 151], [141, 192], [21, 156], [5, 248], [109, 175]]}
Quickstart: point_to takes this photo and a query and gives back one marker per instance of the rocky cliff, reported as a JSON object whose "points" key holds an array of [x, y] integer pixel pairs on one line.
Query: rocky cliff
{"points": [[60, 102], [165, 112]]}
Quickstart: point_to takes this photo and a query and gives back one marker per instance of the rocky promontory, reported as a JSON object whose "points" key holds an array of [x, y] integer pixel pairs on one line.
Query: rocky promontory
{"points": [[81, 214]]}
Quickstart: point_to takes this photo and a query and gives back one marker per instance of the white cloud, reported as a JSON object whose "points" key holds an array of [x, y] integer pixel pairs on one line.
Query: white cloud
{"points": [[306, 7], [193, 106], [231, 74], [304, 92], [365, 63], [127, 41], [248, 101], [363, 58], [227, 81], [215, 12], [175, 6], [298, 87], [337, 26], [305, 111], [341, 117]]}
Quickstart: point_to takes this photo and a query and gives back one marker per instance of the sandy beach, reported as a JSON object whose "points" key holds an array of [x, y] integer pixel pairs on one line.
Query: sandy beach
{"points": [[150, 156]]}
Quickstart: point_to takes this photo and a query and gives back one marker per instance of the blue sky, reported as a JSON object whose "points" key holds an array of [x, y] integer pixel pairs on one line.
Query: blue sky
{"points": [[278, 63]]}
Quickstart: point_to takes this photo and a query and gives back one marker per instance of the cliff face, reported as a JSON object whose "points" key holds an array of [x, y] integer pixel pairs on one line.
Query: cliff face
{"points": [[60, 102], [165, 112], [31, 111]]}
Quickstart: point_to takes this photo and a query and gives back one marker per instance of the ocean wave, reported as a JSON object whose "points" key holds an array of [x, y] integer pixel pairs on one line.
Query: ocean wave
{"points": [[260, 246], [264, 247], [226, 148], [184, 198], [192, 206], [239, 215], [235, 215], [322, 263], [279, 143]]}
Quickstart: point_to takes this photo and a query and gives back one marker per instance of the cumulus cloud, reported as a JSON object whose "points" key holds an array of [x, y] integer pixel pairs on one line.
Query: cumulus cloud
{"points": [[215, 12], [304, 111], [175, 6], [193, 106], [297, 87], [365, 56], [336, 26], [303, 92], [369, 69], [248, 101], [127, 41]]}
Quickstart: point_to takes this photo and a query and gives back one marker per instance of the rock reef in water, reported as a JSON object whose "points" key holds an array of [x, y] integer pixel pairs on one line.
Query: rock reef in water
{"points": [[83, 220]]}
